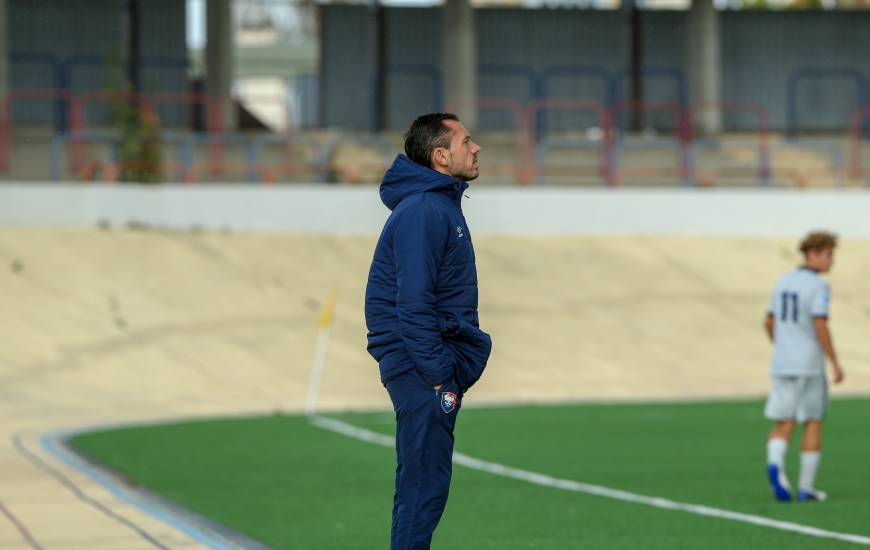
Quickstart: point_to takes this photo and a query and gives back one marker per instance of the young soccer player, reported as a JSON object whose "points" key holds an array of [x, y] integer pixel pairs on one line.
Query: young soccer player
{"points": [[797, 324]]}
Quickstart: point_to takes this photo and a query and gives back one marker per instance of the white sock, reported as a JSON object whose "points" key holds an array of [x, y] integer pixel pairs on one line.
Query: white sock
{"points": [[809, 466], [776, 449]]}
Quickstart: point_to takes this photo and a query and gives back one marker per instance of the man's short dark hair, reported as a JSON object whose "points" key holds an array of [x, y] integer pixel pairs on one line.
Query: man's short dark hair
{"points": [[425, 134]]}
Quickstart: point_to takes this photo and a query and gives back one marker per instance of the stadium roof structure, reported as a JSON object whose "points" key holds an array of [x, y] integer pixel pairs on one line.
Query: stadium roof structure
{"points": [[772, 5]]}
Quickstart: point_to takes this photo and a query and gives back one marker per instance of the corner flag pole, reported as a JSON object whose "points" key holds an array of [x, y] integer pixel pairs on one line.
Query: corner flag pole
{"points": [[324, 327]]}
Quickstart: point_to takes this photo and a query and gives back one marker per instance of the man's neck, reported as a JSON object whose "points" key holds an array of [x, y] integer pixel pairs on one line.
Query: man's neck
{"points": [[441, 170]]}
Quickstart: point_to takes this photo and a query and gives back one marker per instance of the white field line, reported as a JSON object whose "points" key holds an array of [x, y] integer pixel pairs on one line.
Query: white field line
{"points": [[535, 478]]}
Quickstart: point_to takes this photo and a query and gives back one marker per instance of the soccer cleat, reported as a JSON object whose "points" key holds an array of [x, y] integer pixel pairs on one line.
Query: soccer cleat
{"points": [[781, 491], [812, 494]]}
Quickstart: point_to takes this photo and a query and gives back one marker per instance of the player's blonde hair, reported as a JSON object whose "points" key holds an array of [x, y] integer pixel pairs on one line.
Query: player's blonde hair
{"points": [[818, 240]]}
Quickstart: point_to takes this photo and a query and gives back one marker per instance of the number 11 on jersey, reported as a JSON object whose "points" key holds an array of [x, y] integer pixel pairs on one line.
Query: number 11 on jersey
{"points": [[786, 298]]}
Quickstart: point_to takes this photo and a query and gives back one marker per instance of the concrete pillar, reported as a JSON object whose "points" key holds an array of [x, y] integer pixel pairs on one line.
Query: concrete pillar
{"points": [[705, 66], [219, 60], [459, 60]]}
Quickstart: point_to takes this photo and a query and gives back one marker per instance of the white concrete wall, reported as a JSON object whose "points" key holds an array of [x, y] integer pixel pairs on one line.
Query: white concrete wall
{"points": [[339, 209]]}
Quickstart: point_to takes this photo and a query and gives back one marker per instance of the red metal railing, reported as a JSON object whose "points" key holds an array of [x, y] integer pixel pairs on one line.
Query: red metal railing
{"points": [[602, 117], [213, 120], [523, 167], [79, 116], [681, 137]]}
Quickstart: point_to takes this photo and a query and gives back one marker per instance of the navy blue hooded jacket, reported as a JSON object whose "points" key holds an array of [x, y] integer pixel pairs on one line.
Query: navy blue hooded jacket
{"points": [[421, 297]]}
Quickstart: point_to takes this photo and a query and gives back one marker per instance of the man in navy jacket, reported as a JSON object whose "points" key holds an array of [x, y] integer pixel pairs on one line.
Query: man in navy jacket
{"points": [[421, 314]]}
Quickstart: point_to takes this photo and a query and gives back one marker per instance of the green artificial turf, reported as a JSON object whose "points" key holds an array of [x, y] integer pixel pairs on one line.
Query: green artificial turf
{"points": [[292, 485]]}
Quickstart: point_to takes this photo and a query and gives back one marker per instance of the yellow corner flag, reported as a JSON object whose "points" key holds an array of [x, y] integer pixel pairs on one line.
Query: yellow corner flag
{"points": [[328, 312], [323, 329]]}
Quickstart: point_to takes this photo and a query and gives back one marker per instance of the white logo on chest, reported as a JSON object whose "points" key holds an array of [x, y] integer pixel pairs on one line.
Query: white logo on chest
{"points": [[459, 233]]}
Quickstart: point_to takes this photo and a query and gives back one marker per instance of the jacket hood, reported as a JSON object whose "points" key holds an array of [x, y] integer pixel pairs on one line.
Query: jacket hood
{"points": [[405, 178]]}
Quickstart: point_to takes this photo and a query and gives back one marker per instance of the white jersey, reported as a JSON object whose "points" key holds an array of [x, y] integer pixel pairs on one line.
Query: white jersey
{"points": [[799, 297]]}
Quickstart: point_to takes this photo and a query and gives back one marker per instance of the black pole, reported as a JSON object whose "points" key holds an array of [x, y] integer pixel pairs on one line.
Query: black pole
{"points": [[321, 71], [380, 79], [134, 59], [636, 23]]}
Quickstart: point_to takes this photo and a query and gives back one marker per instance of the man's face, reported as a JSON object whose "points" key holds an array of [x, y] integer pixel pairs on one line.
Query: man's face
{"points": [[820, 260], [462, 154]]}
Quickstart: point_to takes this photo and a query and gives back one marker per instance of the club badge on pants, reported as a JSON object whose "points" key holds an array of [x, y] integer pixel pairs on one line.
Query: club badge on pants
{"points": [[448, 402]]}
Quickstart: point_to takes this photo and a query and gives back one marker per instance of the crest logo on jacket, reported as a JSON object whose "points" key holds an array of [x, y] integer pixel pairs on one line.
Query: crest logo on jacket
{"points": [[459, 233], [448, 402]]}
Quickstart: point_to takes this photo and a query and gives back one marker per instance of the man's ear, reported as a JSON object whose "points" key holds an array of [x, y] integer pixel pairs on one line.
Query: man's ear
{"points": [[439, 157]]}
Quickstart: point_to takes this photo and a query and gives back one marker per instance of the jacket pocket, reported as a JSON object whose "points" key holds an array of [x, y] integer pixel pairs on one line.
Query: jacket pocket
{"points": [[470, 345]]}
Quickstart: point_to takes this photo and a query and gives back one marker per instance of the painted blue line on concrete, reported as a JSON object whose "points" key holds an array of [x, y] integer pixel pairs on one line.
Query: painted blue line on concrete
{"points": [[52, 443]]}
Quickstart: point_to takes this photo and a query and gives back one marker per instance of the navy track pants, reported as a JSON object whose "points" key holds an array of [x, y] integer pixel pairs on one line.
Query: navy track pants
{"points": [[424, 455]]}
